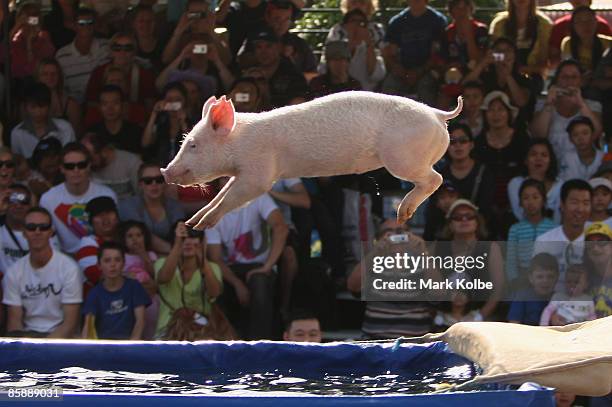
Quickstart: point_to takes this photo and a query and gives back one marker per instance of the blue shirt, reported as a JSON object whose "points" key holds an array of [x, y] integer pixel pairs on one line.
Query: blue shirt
{"points": [[527, 307], [416, 37], [114, 310]]}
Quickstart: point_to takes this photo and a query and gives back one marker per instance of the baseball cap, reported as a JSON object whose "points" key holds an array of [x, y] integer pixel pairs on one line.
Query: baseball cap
{"points": [[600, 182], [45, 147], [598, 228], [265, 34], [337, 50], [606, 166], [460, 202], [498, 94], [100, 205]]}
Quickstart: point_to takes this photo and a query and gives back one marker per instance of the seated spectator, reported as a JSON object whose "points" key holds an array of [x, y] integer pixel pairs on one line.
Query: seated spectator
{"points": [[565, 242], [140, 81], [470, 177], [13, 244], [584, 44], [541, 165], [522, 235], [240, 19], [529, 302], [241, 246], [601, 88], [364, 39], [113, 127], [502, 148], [110, 166], [602, 198], [55, 314], [111, 15], [597, 260], [529, 28], [168, 122], [574, 303], [104, 223], [285, 82], [139, 265], [466, 37], [337, 78], [412, 37], [115, 307], [302, 326], [79, 58], [152, 207], [46, 166], [59, 22], [471, 115], [586, 159], [457, 309], [28, 43], [149, 46], [499, 70], [38, 123], [66, 201], [200, 62], [197, 21], [186, 279], [564, 102], [7, 176], [63, 106], [562, 28], [439, 204], [195, 91], [247, 96], [466, 230], [392, 319]]}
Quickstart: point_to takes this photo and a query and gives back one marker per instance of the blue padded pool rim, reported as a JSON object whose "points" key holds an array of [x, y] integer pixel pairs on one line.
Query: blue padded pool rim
{"points": [[234, 357]]}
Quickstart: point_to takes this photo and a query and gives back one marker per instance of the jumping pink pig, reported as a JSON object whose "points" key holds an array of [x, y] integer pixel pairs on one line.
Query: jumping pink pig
{"points": [[344, 133]]}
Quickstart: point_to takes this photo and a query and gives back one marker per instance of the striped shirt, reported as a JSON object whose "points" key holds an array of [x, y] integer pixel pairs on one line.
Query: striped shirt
{"points": [[521, 240], [78, 67]]}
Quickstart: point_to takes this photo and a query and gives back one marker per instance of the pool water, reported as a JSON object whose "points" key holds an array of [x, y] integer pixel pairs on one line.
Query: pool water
{"points": [[77, 379]]}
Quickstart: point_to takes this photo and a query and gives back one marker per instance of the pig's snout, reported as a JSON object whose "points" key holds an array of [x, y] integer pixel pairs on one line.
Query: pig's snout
{"points": [[173, 175], [166, 175]]}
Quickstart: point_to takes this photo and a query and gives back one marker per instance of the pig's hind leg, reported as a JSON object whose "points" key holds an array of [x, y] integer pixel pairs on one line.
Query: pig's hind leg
{"points": [[424, 186]]}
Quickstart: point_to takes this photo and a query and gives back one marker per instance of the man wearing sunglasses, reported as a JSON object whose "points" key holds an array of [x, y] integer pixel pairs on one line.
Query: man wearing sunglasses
{"points": [[13, 244], [79, 58], [43, 290], [66, 201]]}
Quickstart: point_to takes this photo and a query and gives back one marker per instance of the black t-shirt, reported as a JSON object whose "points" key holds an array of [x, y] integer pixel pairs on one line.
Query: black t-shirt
{"points": [[53, 23], [286, 83], [128, 138], [489, 80], [302, 56], [322, 85], [241, 21]]}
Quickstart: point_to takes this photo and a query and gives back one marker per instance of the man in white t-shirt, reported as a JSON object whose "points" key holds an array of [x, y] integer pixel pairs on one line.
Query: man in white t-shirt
{"points": [[241, 245], [66, 201], [44, 289], [13, 244], [566, 242]]}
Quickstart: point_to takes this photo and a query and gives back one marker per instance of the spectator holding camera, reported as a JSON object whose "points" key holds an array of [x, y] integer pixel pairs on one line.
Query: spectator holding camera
{"points": [[153, 207], [563, 103], [29, 42], [51, 313], [247, 96], [364, 39], [149, 46]]}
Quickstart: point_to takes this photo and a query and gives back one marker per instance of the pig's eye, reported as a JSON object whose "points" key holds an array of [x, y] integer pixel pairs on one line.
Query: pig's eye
{"points": [[192, 145]]}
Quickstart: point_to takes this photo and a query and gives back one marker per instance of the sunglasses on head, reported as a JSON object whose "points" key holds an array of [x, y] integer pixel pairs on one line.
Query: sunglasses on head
{"points": [[43, 227], [19, 198], [85, 22], [465, 216], [460, 140], [7, 164], [81, 165], [150, 180], [122, 47]]}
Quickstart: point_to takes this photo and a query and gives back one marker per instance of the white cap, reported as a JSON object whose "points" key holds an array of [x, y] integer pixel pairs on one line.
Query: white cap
{"points": [[460, 202], [600, 182]]}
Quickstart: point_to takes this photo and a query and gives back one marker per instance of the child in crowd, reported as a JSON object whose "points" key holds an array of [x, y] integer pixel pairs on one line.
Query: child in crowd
{"points": [[586, 159], [573, 305], [458, 310], [116, 305], [529, 303], [139, 260], [602, 197], [437, 208], [522, 235]]}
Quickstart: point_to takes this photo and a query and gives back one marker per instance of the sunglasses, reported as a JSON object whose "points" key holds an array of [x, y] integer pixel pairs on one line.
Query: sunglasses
{"points": [[19, 198], [197, 15], [122, 47], [150, 180], [460, 140], [32, 227], [459, 218], [7, 164], [85, 22], [81, 165]]}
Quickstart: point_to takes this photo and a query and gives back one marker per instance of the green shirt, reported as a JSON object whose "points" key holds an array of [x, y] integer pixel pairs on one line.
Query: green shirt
{"points": [[191, 294]]}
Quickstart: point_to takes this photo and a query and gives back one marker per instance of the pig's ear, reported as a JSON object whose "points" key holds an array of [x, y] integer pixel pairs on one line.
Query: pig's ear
{"points": [[207, 106], [222, 116]]}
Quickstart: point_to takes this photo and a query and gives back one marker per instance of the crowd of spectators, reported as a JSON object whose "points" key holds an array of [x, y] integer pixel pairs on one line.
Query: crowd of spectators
{"points": [[93, 241]]}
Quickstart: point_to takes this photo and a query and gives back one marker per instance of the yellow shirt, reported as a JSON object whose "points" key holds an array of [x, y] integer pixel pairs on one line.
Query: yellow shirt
{"points": [[585, 57], [539, 52]]}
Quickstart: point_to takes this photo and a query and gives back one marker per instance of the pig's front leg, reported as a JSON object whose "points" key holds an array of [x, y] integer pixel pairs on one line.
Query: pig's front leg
{"points": [[423, 187], [242, 191]]}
